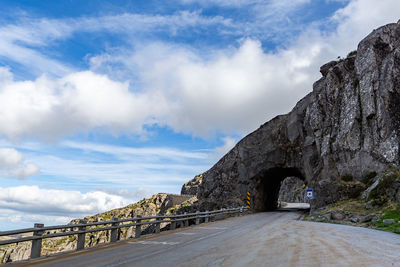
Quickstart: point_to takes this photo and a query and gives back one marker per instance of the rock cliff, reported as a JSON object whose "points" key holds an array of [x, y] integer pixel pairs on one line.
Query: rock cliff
{"points": [[348, 126]]}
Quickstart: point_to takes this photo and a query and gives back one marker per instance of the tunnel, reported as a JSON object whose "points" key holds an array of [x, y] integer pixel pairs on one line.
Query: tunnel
{"points": [[268, 184]]}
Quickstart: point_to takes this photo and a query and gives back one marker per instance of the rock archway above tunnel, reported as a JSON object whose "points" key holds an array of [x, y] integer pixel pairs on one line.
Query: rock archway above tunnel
{"points": [[347, 126]]}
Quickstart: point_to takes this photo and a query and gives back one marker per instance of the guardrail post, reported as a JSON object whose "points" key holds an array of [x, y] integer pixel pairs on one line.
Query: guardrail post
{"points": [[197, 218], [37, 243], [158, 224], [173, 224], [114, 232], [186, 222], [138, 228], [241, 211], [206, 219], [81, 237]]}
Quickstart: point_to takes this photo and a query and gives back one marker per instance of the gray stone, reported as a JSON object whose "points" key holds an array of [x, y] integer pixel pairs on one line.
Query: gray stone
{"points": [[388, 221], [370, 217], [354, 220], [337, 215]]}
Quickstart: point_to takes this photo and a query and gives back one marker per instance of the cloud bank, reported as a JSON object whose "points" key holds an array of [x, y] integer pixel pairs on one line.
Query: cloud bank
{"points": [[52, 206], [229, 91], [12, 164]]}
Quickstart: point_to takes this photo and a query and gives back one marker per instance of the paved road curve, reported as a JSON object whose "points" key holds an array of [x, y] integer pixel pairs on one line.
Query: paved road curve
{"points": [[262, 239]]}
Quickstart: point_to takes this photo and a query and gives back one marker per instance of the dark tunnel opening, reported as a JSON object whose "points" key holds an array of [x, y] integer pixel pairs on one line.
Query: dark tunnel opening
{"points": [[269, 184]]}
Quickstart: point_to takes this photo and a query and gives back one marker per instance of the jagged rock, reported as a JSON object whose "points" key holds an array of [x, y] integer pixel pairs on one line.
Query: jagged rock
{"points": [[326, 67], [16, 252], [191, 187], [370, 217], [349, 125]]}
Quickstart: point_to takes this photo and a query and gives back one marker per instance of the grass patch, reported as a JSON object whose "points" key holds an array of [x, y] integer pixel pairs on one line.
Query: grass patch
{"points": [[61, 241], [391, 213]]}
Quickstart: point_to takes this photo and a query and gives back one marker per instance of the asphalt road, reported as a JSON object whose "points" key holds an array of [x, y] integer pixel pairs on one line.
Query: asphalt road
{"points": [[262, 239]]}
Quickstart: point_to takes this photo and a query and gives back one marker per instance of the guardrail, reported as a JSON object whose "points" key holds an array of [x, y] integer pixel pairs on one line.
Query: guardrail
{"points": [[81, 229]]}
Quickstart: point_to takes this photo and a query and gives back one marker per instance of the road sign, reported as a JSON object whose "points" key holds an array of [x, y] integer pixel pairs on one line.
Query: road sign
{"points": [[310, 194]]}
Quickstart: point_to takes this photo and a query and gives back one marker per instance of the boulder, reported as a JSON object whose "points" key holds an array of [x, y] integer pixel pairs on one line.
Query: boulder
{"points": [[388, 221], [338, 215], [370, 217], [354, 220]]}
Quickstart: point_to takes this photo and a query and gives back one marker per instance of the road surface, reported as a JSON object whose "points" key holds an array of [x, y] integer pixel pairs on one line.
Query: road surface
{"points": [[262, 239]]}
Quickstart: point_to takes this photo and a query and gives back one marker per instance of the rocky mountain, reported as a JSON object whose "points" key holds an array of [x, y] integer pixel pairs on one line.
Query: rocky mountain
{"points": [[163, 204], [345, 129]]}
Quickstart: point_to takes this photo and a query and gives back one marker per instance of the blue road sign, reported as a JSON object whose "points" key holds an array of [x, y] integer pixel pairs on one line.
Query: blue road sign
{"points": [[310, 194]]}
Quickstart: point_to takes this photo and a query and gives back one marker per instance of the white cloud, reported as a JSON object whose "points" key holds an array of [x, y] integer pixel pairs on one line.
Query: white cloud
{"points": [[12, 164], [25, 205], [10, 157], [49, 108], [11, 219], [123, 152], [20, 41], [26, 171], [237, 89], [35, 200], [231, 91], [137, 195]]}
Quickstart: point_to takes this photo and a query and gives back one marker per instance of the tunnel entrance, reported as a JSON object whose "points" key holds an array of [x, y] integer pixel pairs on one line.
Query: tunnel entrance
{"points": [[269, 185]]}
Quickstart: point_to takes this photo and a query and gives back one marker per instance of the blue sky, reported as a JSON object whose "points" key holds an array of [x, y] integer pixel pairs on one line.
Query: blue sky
{"points": [[107, 102]]}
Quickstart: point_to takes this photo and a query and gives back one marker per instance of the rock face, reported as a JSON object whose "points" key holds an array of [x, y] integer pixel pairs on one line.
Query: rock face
{"points": [[292, 190], [348, 126], [191, 187]]}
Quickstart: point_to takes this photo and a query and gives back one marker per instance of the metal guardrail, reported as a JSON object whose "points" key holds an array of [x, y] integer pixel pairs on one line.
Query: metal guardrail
{"points": [[81, 229]]}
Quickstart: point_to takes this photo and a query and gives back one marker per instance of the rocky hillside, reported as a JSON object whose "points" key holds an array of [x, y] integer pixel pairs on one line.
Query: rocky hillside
{"points": [[163, 204], [377, 207], [348, 126]]}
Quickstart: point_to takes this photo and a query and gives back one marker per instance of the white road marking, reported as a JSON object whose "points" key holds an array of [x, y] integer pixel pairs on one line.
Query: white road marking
{"points": [[154, 243], [184, 233], [213, 228]]}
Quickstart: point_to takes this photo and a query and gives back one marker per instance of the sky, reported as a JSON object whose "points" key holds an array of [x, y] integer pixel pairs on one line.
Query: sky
{"points": [[104, 103]]}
